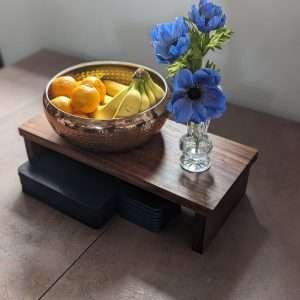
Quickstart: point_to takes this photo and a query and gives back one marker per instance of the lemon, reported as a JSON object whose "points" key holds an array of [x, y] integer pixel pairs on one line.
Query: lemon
{"points": [[63, 86], [63, 103], [113, 88], [98, 84], [85, 99], [95, 113]]}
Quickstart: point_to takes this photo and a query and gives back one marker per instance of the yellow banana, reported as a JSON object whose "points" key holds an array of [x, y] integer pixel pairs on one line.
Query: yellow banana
{"points": [[113, 88], [153, 90], [144, 98], [156, 89], [149, 93], [107, 111], [130, 104], [107, 99]]}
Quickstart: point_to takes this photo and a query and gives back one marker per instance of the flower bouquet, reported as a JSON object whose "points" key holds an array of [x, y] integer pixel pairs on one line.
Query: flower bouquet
{"points": [[197, 95]]}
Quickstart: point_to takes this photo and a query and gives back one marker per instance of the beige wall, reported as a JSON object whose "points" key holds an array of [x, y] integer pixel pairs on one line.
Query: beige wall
{"points": [[21, 28], [260, 65]]}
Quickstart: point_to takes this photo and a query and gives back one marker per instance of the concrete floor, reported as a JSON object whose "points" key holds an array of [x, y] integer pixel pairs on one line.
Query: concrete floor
{"points": [[44, 254]]}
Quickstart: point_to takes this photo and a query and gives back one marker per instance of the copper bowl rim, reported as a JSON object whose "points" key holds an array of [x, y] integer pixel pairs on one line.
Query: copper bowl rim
{"points": [[104, 123]]}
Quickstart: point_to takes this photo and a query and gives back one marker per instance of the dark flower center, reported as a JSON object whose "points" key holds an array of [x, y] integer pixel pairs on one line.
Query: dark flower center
{"points": [[174, 43], [194, 93]]}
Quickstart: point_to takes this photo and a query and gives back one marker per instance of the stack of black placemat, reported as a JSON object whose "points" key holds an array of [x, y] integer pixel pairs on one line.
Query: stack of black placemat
{"points": [[91, 196], [145, 209], [71, 187]]}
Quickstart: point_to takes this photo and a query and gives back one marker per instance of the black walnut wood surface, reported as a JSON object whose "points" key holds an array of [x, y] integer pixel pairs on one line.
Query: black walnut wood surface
{"points": [[154, 167]]}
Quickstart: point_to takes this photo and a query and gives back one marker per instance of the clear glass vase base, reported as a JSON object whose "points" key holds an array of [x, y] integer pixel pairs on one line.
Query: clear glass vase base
{"points": [[193, 165], [196, 146]]}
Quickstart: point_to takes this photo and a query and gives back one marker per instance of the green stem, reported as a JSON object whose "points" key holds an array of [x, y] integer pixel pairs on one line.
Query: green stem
{"points": [[193, 131], [206, 41], [196, 64]]}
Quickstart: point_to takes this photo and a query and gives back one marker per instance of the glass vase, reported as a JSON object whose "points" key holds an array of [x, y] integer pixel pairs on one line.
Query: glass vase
{"points": [[196, 147]]}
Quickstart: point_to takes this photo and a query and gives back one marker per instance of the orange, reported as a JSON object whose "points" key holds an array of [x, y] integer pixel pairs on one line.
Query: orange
{"points": [[63, 86], [85, 99], [97, 83], [63, 103]]}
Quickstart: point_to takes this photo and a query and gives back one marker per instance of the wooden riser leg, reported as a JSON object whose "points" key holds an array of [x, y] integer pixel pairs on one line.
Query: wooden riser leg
{"points": [[199, 233], [207, 226]]}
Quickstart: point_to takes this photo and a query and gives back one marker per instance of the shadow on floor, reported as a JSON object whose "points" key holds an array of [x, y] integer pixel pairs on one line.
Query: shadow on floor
{"points": [[188, 275], [130, 262]]}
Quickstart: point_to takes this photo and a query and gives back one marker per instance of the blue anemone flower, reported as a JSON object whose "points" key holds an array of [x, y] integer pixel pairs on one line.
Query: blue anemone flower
{"points": [[207, 16], [197, 96], [170, 40]]}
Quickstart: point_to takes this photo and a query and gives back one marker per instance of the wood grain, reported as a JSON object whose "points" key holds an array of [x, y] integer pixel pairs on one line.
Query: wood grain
{"points": [[154, 166]]}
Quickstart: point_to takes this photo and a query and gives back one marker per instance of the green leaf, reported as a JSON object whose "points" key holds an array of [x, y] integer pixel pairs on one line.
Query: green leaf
{"points": [[174, 68], [218, 38], [211, 65], [201, 44]]}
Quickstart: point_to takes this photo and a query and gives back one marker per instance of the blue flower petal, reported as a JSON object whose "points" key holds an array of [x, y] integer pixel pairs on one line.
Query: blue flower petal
{"points": [[183, 44], [211, 103], [170, 40], [223, 21], [180, 47], [208, 10], [183, 110], [162, 55], [207, 16], [179, 93], [154, 33], [183, 79], [165, 33], [170, 106], [214, 21], [196, 17], [214, 101], [203, 2], [207, 77], [180, 27], [199, 112]]}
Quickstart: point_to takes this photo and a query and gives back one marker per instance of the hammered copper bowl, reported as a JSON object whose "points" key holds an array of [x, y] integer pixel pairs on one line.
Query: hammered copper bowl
{"points": [[112, 135]]}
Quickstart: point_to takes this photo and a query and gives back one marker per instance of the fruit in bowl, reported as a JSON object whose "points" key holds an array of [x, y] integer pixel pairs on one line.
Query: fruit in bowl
{"points": [[113, 106], [63, 86], [108, 99]]}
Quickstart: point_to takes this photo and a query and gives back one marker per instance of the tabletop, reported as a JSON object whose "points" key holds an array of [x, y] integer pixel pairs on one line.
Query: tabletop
{"points": [[155, 166]]}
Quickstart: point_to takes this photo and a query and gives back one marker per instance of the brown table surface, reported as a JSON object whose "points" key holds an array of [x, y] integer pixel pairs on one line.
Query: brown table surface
{"points": [[43, 251], [155, 166]]}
